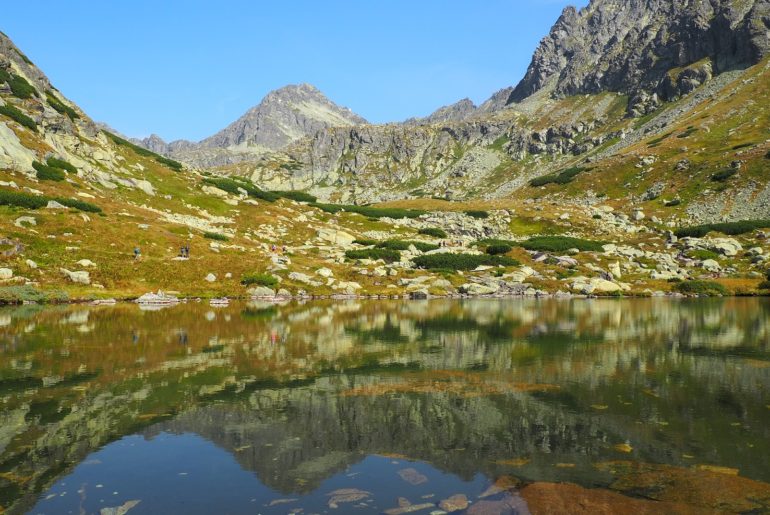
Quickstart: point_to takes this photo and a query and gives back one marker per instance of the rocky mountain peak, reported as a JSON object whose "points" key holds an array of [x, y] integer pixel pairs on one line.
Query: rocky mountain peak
{"points": [[284, 115], [657, 46]]}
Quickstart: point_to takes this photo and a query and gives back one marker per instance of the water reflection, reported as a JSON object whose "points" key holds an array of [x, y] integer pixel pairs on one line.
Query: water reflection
{"points": [[300, 394]]}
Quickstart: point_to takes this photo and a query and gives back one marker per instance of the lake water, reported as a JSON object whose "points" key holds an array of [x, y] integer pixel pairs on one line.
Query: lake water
{"points": [[484, 406]]}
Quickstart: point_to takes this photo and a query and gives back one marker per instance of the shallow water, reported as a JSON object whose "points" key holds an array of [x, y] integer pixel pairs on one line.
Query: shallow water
{"points": [[387, 406]]}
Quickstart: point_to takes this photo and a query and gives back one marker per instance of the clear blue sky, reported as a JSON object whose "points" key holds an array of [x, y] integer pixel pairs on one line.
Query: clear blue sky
{"points": [[187, 68]]}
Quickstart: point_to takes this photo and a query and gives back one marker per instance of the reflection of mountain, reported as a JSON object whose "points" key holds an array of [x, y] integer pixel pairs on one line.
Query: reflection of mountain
{"points": [[668, 377]]}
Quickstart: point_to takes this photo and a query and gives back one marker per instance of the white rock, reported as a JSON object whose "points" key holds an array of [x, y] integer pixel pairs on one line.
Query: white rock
{"points": [[338, 237], [5, 273], [31, 263], [324, 272], [25, 220], [52, 204], [86, 263], [211, 277], [80, 276]]}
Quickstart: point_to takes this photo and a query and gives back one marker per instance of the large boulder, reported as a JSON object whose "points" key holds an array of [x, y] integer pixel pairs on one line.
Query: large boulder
{"points": [[260, 292], [340, 238], [80, 276]]}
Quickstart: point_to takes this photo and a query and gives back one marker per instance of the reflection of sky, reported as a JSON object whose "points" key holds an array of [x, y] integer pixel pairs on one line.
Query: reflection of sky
{"points": [[186, 473]]}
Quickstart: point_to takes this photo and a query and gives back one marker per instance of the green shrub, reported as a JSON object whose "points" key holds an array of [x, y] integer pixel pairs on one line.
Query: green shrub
{"points": [[433, 231], [365, 242], [257, 279], [764, 285], [474, 213], [486, 242], [25, 200], [563, 177], [19, 117], [27, 293], [703, 254], [404, 245], [77, 204], [15, 199], [21, 88], [767, 156], [686, 134], [297, 196], [462, 261], [387, 255], [372, 212], [561, 244], [174, 165], [48, 173], [215, 236], [723, 175], [234, 187], [144, 152], [61, 164], [494, 250], [672, 203], [701, 288], [5, 76], [61, 107], [730, 228], [743, 145]]}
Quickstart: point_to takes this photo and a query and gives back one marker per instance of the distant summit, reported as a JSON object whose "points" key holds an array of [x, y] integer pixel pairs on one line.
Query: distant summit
{"points": [[282, 117]]}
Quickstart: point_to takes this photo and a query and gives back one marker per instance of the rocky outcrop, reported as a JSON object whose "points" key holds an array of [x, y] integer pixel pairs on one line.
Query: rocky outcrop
{"points": [[455, 112], [654, 45]]}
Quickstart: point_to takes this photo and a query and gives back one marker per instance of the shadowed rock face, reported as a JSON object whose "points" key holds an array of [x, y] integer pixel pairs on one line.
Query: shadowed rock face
{"points": [[632, 45]]}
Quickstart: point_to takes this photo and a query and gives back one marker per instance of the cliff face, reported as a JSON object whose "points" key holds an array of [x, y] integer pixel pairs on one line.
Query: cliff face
{"points": [[656, 45]]}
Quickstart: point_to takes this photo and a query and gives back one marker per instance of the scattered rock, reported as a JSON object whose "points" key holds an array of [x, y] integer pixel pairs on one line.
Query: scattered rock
{"points": [[211, 278], [5, 274]]}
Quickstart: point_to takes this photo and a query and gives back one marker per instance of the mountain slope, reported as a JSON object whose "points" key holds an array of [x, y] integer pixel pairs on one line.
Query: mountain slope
{"points": [[634, 58]]}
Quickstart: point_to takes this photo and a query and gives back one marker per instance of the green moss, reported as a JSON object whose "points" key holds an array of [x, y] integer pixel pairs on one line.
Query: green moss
{"points": [[19, 117], [475, 213], [461, 261]]}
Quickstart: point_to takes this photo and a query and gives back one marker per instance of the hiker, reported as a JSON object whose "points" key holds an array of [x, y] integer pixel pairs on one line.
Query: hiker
{"points": [[274, 247], [137, 252], [187, 250], [181, 252]]}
